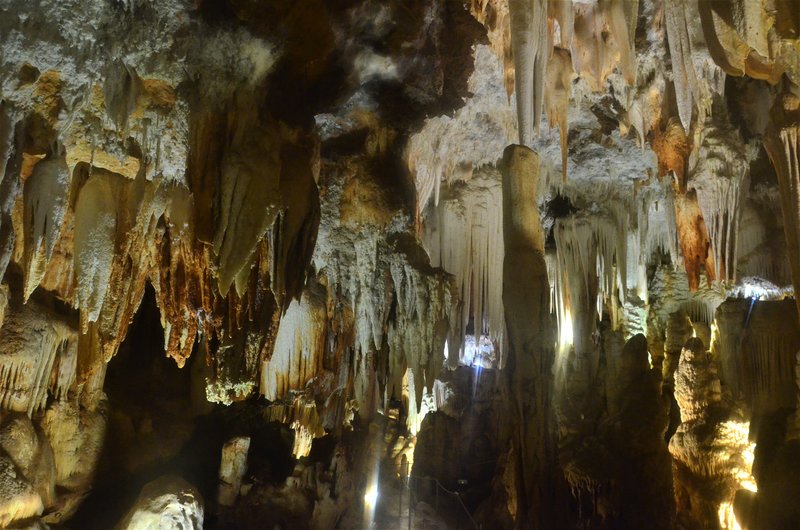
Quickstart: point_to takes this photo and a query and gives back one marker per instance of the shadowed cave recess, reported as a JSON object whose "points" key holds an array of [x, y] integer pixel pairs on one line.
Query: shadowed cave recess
{"points": [[399, 264]]}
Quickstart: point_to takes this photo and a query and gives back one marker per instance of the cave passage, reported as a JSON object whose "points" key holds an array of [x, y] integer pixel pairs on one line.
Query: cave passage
{"points": [[346, 265]]}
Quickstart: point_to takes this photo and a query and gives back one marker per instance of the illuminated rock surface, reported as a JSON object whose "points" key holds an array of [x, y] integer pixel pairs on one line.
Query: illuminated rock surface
{"points": [[308, 225]]}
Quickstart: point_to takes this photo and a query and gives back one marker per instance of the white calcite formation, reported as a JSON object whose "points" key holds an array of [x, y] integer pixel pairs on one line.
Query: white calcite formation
{"points": [[463, 235], [170, 503], [316, 210], [232, 468]]}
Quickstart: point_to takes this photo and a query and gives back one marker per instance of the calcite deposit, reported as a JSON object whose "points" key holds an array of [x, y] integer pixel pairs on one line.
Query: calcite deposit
{"points": [[345, 264]]}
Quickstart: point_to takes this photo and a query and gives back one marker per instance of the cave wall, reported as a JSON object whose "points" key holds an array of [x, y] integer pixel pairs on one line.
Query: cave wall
{"points": [[319, 212]]}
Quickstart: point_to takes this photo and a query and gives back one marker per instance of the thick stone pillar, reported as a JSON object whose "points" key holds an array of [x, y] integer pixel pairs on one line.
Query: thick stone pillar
{"points": [[530, 327]]}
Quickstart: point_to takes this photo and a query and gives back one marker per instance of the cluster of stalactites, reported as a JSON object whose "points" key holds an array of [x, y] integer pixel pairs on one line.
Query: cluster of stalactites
{"points": [[758, 342], [696, 76], [388, 320], [464, 236], [676, 294], [590, 270], [38, 356], [301, 415], [299, 350], [602, 254], [552, 40], [719, 174], [215, 250], [449, 150]]}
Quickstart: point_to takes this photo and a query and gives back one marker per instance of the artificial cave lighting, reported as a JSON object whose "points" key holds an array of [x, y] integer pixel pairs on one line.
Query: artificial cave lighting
{"points": [[479, 352], [565, 337], [371, 497], [727, 520]]}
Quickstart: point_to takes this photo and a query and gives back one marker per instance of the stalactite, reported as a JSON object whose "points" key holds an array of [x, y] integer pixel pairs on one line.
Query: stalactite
{"points": [[299, 348], [604, 34], [782, 143], [556, 98], [563, 14], [250, 170], [695, 75], [464, 236], [95, 237], [38, 352], [684, 75], [749, 38], [719, 174], [45, 196], [693, 238], [758, 361], [529, 37], [622, 17]]}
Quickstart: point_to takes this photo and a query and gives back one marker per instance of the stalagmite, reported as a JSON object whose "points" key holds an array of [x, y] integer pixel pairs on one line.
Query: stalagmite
{"points": [[611, 427], [169, 503], [232, 468], [19, 501], [529, 39], [711, 450], [530, 356], [76, 432]]}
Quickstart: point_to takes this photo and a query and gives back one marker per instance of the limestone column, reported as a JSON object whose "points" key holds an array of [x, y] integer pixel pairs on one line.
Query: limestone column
{"points": [[526, 299]]}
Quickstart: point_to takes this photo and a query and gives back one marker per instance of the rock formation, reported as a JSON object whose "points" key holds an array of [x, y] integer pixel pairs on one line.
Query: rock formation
{"points": [[273, 264]]}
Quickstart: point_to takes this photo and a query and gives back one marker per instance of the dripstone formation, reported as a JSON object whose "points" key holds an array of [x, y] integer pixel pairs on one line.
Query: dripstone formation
{"points": [[524, 264]]}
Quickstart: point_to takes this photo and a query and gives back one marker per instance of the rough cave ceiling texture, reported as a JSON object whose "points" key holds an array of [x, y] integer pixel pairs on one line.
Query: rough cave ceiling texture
{"points": [[316, 209]]}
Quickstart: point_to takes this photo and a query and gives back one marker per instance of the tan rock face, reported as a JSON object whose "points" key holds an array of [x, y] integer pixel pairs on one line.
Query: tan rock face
{"points": [[712, 455], [232, 469], [312, 202], [525, 298]]}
